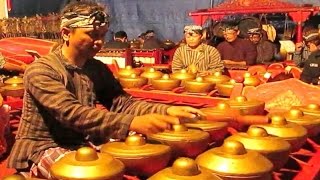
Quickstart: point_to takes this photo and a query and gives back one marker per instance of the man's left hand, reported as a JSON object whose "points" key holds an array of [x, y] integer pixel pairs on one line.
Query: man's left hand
{"points": [[184, 111]]}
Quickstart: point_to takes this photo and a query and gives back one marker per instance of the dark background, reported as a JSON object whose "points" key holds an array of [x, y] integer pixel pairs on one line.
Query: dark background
{"points": [[166, 17]]}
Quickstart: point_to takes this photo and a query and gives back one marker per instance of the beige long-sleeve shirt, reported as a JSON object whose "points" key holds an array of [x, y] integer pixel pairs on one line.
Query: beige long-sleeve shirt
{"points": [[204, 58]]}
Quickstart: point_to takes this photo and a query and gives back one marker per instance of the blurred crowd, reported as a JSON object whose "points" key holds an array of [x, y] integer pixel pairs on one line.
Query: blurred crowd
{"points": [[42, 27]]}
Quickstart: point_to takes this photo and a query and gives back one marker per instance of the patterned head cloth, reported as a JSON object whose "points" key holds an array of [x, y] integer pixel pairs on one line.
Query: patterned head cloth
{"points": [[150, 34], [75, 20], [193, 29], [254, 31], [311, 35]]}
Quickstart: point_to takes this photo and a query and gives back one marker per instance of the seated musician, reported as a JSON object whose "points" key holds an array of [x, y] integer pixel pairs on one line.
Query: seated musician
{"points": [[141, 38], [311, 68], [265, 48], [196, 56], [61, 92], [234, 50], [302, 52], [120, 41], [151, 40]]}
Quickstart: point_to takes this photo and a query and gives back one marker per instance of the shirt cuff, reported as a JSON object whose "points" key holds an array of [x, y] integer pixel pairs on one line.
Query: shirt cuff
{"points": [[123, 128]]}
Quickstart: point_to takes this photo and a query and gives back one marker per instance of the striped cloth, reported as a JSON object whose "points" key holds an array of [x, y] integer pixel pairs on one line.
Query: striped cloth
{"points": [[204, 58], [59, 108], [2, 61], [50, 156]]}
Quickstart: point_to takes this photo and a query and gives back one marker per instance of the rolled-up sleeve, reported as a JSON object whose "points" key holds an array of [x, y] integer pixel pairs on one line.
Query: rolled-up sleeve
{"points": [[128, 105]]}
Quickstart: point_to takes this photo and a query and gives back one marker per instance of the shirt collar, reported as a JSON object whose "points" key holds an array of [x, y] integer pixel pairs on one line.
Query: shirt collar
{"points": [[234, 42], [65, 61], [200, 48]]}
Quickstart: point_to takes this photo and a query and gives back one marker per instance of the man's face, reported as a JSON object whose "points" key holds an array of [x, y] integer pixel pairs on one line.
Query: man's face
{"points": [[311, 46], [193, 39], [140, 39], [88, 41], [255, 38], [230, 35]]}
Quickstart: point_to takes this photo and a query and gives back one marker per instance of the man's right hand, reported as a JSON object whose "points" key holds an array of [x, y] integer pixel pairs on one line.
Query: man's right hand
{"points": [[299, 46], [152, 123]]}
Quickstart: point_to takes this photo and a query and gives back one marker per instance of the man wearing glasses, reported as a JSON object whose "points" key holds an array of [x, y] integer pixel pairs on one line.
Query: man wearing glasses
{"points": [[266, 50], [311, 68], [235, 50]]}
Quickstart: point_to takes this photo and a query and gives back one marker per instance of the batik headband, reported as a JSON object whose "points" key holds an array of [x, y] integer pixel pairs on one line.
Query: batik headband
{"points": [[75, 20], [254, 31], [311, 37], [193, 29]]}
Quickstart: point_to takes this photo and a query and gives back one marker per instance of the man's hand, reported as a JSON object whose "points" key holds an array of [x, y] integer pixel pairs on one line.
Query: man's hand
{"points": [[152, 123], [192, 69], [299, 46], [184, 111]]}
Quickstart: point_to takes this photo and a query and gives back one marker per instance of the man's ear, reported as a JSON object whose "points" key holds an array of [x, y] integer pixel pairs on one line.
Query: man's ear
{"points": [[65, 33]]}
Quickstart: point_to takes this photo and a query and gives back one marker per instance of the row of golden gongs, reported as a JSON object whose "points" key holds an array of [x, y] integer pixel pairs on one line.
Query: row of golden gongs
{"points": [[135, 78], [230, 160], [253, 154]]}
